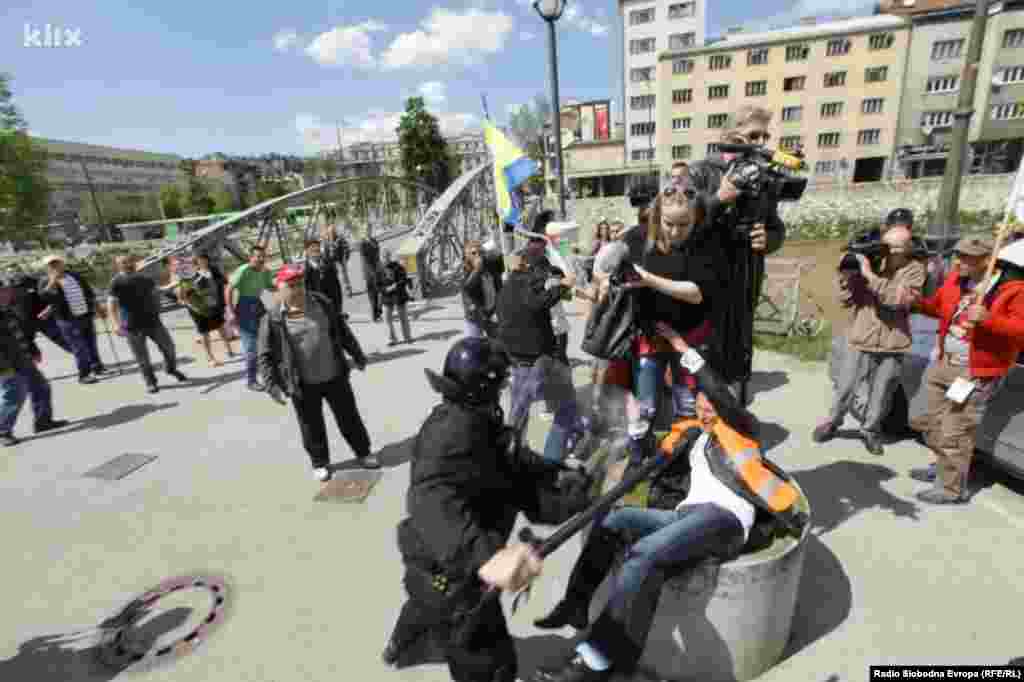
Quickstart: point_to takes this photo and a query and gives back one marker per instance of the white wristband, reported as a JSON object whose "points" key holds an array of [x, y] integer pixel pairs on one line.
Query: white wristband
{"points": [[691, 361]]}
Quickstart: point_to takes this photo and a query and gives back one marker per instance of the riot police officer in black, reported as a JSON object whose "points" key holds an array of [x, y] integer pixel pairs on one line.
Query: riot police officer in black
{"points": [[468, 482]]}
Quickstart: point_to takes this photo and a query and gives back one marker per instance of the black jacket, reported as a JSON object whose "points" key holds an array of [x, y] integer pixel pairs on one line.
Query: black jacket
{"points": [[394, 284], [324, 279], [16, 345], [524, 314], [473, 304], [56, 298], [278, 357], [369, 249], [466, 489]]}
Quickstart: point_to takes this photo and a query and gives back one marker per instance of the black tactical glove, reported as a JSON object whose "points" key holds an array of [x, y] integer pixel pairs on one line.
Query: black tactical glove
{"points": [[576, 486]]}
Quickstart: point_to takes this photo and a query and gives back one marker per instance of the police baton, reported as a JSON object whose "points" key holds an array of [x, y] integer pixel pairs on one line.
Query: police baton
{"points": [[545, 546]]}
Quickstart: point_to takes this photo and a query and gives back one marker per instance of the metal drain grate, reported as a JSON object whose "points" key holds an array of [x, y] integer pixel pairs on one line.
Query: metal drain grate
{"points": [[120, 466], [349, 486]]}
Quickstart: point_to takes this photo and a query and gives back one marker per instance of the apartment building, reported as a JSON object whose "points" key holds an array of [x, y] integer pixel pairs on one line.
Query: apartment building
{"points": [[833, 88], [937, 55], [651, 27], [131, 177], [369, 159]]}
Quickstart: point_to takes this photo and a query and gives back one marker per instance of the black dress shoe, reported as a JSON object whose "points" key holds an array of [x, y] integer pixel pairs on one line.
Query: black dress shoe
{"points": [[152, 388], [566, 612], [391, 653], [88, 380], [50, 425], [873, 443], [178, 375], [573, 671]]}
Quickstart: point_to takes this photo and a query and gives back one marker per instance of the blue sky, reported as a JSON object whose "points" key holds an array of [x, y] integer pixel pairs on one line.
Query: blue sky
{"points": [[191, 78]]}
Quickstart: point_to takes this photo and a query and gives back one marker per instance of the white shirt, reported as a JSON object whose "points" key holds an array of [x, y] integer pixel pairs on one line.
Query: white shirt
{"points": [[706, 488]]}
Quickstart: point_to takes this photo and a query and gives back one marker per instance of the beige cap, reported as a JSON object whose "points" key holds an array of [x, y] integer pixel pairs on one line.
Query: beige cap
{"points": [[975, 246]]}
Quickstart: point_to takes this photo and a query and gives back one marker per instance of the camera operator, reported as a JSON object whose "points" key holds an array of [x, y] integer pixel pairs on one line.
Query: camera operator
{"points": [[744, 250], [879, 290]]}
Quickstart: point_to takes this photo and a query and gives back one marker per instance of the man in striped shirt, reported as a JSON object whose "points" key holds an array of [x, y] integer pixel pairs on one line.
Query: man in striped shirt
{"points": [[72, 302]]}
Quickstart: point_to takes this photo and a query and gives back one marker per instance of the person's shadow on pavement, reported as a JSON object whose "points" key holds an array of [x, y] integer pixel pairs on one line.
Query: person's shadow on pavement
{"points": [[117, 416], [78, 657]]}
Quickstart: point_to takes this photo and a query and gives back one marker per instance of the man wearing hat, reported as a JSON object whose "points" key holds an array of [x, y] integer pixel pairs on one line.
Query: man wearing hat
{"points": [[71, 300], [878, 336], [19, 375], [302, 346], [981, 334]]}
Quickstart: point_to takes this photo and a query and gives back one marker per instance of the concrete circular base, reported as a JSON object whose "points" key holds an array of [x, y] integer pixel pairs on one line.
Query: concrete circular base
{"points": [[729, 627]]}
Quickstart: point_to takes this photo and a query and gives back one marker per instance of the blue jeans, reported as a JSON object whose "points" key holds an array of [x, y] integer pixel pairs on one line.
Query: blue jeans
{"points": [[250, 312], [13, 392], [648, 373], [80, 334], [50, 330], [668, 539], [544, 380]]}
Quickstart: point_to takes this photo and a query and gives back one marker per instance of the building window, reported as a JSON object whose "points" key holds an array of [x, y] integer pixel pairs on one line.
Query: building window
{"points": [[641, 75], [713, 147], [641, 45], [881, 41], [642, 155], [682, 41], [826, 140], [718, 92], [757, 88], [792, 114], [835, 79], [872, 105], [682, 66], [936, 119], [1011, 74], [718, 120], [794, 83], [683, 96], [641, 16], [872, 136], [682, 123], [797, 53], [942, 84], [681, 151], [641, 102], [1006, 112], [756, 57], [876, 74], [645, 128], [825, 167], [831, 109], [718, 62], [947, 49], [1013, 38], [837, 47], [681, 10], [790, 142]]}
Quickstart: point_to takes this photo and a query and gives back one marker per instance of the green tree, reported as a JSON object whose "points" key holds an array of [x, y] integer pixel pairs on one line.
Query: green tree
{"points": [[198, 200], [24, 190], [172, 201], [223, 198], [425, 154]]}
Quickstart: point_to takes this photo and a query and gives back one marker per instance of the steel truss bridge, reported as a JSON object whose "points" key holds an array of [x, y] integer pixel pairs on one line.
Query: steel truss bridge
{"points": [[434, 226]]}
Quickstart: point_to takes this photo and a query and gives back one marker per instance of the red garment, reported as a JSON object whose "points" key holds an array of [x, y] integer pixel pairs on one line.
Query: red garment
{"points": [[996, 343]]}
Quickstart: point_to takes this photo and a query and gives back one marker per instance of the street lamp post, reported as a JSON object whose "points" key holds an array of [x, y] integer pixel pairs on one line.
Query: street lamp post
{"points": [[551, 11]]}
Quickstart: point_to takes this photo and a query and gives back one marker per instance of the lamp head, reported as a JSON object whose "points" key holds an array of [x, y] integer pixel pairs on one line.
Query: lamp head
{"points": [[550, 10]]}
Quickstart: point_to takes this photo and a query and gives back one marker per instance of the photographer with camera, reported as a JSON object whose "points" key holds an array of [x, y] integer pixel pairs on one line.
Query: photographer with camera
{"points": [[879, 282], [742, 188]]}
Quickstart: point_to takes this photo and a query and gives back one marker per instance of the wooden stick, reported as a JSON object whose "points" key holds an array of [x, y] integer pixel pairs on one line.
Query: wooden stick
{"points": [[1004, 229]]}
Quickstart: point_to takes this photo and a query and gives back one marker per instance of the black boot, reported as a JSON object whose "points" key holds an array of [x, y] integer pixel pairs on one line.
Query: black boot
{"points": [[590, 569], [576, 670]]}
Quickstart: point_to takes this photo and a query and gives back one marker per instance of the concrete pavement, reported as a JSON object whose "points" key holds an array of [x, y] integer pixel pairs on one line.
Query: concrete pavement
{"points": [[315, 587]]}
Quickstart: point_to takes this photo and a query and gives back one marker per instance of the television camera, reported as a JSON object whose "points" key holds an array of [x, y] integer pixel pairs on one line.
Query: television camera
{"points": [[870, 245], [763, 177]]}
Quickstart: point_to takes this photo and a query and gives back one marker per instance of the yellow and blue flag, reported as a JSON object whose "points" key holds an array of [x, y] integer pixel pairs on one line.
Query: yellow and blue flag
{"points": [[512, 168]]}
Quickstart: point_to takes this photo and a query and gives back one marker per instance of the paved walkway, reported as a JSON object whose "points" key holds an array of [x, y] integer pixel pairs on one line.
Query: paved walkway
{"points": [[315, 587]]}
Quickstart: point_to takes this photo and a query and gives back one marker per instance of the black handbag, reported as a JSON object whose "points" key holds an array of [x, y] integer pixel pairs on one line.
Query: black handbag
{"points": [[610, 329]]}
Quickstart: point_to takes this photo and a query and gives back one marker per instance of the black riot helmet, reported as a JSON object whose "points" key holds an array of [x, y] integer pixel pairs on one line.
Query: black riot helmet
{"points": [[900, 216], [475, 369]]}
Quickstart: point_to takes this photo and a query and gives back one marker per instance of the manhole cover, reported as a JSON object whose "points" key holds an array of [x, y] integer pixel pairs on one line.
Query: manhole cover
{"points": [[165, 623], [120, 466], [349, 486]]}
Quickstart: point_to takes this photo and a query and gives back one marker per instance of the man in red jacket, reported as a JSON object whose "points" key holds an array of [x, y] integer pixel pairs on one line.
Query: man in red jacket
{"points": [[981, 333]]}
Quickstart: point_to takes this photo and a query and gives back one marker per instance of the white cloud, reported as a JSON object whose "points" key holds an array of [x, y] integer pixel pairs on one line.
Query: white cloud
{"points": [[448, 36], [832, 9], [345, 45], [285, 39], [527, 35], [433, 92], [576, 18], [316, 135]]}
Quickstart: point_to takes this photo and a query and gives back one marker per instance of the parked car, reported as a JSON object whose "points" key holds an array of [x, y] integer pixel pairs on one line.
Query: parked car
{"points": [[1001, 434]]}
